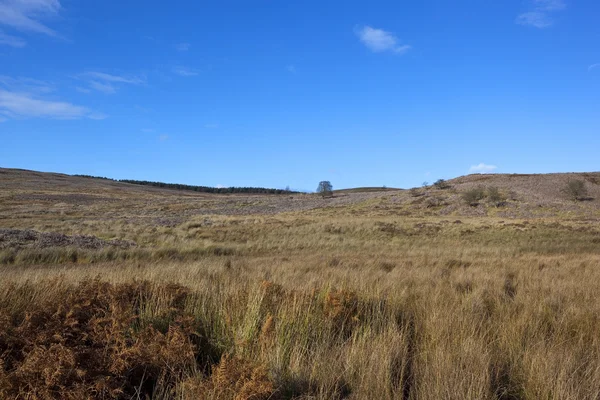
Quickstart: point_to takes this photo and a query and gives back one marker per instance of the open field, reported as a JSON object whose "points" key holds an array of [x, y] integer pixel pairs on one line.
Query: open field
{"points": [[111, 290]]}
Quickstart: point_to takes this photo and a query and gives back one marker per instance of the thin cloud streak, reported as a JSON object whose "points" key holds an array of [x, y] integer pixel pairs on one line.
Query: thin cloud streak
{"points": [[107, 83], [184, 71], [134, 80], [593, 67], [12, 41], [540, 17], [24, 105], [25, 15], [537, 19]]}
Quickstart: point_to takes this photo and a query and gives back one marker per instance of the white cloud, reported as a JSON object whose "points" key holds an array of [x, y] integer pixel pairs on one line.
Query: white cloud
{"points": [[184, 71], [482, 168], [106, 83], [378, 40], [10, 40], [2, 119], [182, 46], [24, 105], [540, 16], [593, 67], [537, 19], [291, 68], [219, 186], [26, 15]]}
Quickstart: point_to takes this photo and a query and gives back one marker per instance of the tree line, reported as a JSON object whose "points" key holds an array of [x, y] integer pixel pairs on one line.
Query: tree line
{"points": [[194, 188]]}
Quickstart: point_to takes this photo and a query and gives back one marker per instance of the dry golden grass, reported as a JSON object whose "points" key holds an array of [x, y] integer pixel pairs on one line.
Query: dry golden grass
{"points": [[354, 301]]}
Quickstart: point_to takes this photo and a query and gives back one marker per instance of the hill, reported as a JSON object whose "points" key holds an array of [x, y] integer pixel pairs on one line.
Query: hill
{"points": [[525, 196]]}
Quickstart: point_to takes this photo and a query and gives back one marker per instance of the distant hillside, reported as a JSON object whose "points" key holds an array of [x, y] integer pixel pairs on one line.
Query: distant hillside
{"points": [[524, 196]]}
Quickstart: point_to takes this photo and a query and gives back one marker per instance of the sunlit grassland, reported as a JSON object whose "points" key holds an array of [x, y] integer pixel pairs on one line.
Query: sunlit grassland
{"points": [[331, 303]]}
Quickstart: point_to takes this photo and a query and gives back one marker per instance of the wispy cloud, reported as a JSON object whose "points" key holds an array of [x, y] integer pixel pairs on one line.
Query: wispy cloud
{"points": [[24, 105], [182, 46], [29, 98], [27, 85], [378, 40], [537, 19], [135, 80], [291, 68], [82, 90], [102, 87], [482, 168], [163, 138], [9, 40], [27, 15], [540, 15], [108, 83], [550, 5], [184, 71], [593, 67]]}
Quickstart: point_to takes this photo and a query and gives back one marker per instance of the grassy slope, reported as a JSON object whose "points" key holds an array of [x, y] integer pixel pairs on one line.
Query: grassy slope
{"points": [[367, 295]]}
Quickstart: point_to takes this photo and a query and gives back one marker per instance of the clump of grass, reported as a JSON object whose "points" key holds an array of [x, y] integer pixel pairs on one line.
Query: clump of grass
{"points": [[70, 255]]}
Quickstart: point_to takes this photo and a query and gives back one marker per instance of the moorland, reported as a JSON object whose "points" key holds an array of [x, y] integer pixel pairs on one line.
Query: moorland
{"points": [[482, 287]]}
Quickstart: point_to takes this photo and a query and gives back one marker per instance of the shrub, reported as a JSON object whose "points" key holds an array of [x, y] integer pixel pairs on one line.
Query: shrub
{"points": [[473, 196], [415, 192], [441, 184], [435, 201], [576, 189], [495, 196]]}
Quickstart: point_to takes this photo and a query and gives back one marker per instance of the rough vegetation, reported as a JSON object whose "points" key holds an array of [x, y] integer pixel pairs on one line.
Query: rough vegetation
{"points": [[361, 296]]}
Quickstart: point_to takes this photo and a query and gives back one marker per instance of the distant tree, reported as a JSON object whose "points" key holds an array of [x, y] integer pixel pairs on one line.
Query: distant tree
{"points": [[325, 189], [287, 189], [425, 184], [576, 189], [441, 184]]}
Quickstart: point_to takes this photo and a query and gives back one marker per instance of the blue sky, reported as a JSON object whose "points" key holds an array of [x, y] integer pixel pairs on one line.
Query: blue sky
{"points": [[265, 93]]}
